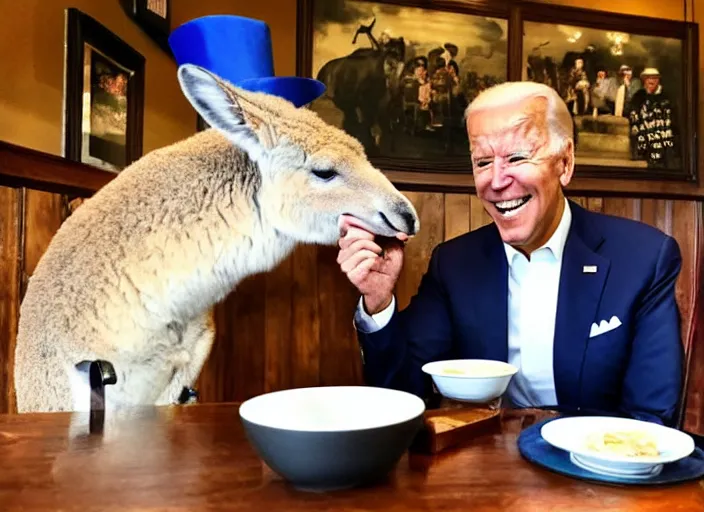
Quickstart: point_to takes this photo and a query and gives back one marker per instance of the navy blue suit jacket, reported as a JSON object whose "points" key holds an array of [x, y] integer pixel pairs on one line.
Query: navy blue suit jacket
{"points": [[461, 311]]}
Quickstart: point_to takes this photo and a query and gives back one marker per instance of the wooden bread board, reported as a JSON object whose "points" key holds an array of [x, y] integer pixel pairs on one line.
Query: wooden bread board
{"points": [[449, 426]]}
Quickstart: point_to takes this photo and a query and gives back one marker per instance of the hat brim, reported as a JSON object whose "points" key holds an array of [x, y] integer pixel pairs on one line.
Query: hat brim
{"points": [[298, 90]]}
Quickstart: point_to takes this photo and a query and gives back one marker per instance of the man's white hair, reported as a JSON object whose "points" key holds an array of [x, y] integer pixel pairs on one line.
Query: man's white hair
{"points": [[559, 120]]}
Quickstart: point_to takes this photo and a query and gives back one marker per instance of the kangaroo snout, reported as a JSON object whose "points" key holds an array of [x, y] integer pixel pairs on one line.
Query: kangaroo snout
{"points": [[402, 218], [410, 218], [399, 215]]}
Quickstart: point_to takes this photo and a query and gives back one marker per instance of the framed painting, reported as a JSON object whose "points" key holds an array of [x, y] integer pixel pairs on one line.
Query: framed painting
{"points": [[400, 75], [153, 17], [629, 83], [103, 95]]}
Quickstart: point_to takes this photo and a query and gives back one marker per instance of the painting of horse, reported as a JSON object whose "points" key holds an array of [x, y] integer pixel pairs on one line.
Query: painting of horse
{"points": [[400, 78]]}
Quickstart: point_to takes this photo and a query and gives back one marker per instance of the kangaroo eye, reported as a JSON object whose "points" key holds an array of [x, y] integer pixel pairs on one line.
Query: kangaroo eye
{"points": [[325, 174]]}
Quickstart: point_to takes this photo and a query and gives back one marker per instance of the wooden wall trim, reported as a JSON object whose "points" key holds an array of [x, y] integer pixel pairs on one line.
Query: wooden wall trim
{"points": [[447, 182], [691, 412], [11, 235], [24, 167]]}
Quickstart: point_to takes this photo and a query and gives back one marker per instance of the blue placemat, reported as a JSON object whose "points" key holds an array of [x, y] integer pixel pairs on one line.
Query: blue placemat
{"points": [[535, 449]]}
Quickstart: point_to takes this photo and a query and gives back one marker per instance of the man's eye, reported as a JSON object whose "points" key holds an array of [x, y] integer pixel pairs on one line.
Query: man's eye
{"points": [[325, 174], [514, 159], [482, 163]]}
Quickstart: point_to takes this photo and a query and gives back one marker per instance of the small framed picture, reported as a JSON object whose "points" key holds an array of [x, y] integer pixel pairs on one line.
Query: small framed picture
{"points": [[103, 95], [153, 17], [159, 7]]}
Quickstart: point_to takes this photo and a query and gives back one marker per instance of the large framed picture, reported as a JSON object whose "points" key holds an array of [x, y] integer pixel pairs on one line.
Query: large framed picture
{"points": [[630, 84], [103, 95], [399, 75]]}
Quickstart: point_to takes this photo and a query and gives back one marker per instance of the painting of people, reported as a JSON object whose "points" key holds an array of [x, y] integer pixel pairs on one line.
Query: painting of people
{"points": [[623, 90], [400, 78], [105, 111]]}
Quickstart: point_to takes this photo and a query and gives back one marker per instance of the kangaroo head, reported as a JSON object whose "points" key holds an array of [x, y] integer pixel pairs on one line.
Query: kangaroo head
{"points": [[312, 173]]}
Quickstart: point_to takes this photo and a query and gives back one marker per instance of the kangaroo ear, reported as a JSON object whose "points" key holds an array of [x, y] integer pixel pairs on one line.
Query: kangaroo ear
{"points": [[217, 102]]}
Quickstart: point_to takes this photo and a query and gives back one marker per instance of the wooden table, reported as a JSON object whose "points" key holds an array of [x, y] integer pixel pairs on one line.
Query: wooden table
{"points": [[196, 458]]}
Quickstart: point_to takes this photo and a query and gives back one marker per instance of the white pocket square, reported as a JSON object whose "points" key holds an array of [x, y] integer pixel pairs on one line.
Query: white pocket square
{"points": [[604, 326]]}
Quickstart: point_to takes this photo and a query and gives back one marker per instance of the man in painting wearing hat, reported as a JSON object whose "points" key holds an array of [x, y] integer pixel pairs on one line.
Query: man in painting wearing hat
{"points": [[654, 123], [582, 303]]}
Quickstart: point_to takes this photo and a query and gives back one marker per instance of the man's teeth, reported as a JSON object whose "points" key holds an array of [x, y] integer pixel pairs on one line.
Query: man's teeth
{"points": [[513, 203], [511, 206]]}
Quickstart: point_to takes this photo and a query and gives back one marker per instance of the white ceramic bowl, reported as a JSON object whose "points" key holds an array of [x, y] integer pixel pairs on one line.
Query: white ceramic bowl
{"points": [[471, 380], [572, 435], [332, 437]]}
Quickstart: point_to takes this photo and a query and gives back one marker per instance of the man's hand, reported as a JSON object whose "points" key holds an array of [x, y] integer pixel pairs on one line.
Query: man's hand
{"points": [[372, 264]]}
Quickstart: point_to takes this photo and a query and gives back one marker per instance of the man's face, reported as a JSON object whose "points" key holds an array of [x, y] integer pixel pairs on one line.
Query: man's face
{"points": [[651, 83], [517, 180]]}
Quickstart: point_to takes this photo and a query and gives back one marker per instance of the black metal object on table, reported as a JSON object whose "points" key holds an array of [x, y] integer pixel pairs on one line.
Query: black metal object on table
{"points": [[102, 373]]}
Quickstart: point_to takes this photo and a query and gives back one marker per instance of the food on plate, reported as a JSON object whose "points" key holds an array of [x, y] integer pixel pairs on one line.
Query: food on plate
{"points": [[633, 443]]}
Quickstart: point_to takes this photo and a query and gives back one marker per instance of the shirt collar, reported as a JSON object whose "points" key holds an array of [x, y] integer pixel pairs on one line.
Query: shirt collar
{"points": [[556, 243]]}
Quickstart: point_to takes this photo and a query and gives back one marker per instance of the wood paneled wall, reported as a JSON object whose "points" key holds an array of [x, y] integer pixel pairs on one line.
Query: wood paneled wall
{"points": [[293, 326], [10, 219]]}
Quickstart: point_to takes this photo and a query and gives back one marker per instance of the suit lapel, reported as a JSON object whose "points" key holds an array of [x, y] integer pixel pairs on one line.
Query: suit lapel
{"points": [[492, 310], [579, 296]]}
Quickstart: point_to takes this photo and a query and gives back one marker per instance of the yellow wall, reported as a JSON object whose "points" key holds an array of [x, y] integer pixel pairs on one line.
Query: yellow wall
{"points": [[31, 53], [279, 14]]}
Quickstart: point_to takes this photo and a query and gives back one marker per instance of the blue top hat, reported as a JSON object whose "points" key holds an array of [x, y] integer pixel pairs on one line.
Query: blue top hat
{"points": [[239, 50]]}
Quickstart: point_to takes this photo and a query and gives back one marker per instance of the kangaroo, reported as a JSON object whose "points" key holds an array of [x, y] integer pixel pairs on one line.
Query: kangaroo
{"points": [[132, 276]]}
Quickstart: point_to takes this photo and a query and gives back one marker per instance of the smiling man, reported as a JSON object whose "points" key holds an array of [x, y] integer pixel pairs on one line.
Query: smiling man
{"points": [[582, 303]]}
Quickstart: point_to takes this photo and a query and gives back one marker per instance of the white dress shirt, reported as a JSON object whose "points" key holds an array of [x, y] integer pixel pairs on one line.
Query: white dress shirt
{"points": [[532, 307]]}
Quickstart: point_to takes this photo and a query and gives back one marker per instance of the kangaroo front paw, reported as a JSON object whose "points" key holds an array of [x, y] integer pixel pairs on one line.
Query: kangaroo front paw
{"points": [[188, 396]]}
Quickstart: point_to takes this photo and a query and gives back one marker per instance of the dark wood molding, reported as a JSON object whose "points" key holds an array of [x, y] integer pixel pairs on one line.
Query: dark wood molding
{"points": [[514, 59], [24, 167], [454, 183]]}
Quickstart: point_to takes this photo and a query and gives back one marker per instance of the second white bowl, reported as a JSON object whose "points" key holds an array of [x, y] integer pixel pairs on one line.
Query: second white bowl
{"points": [[471, 380]]}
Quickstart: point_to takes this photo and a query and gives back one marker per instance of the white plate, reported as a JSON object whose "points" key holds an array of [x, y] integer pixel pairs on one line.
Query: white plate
{"points": [[571, 434]]}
